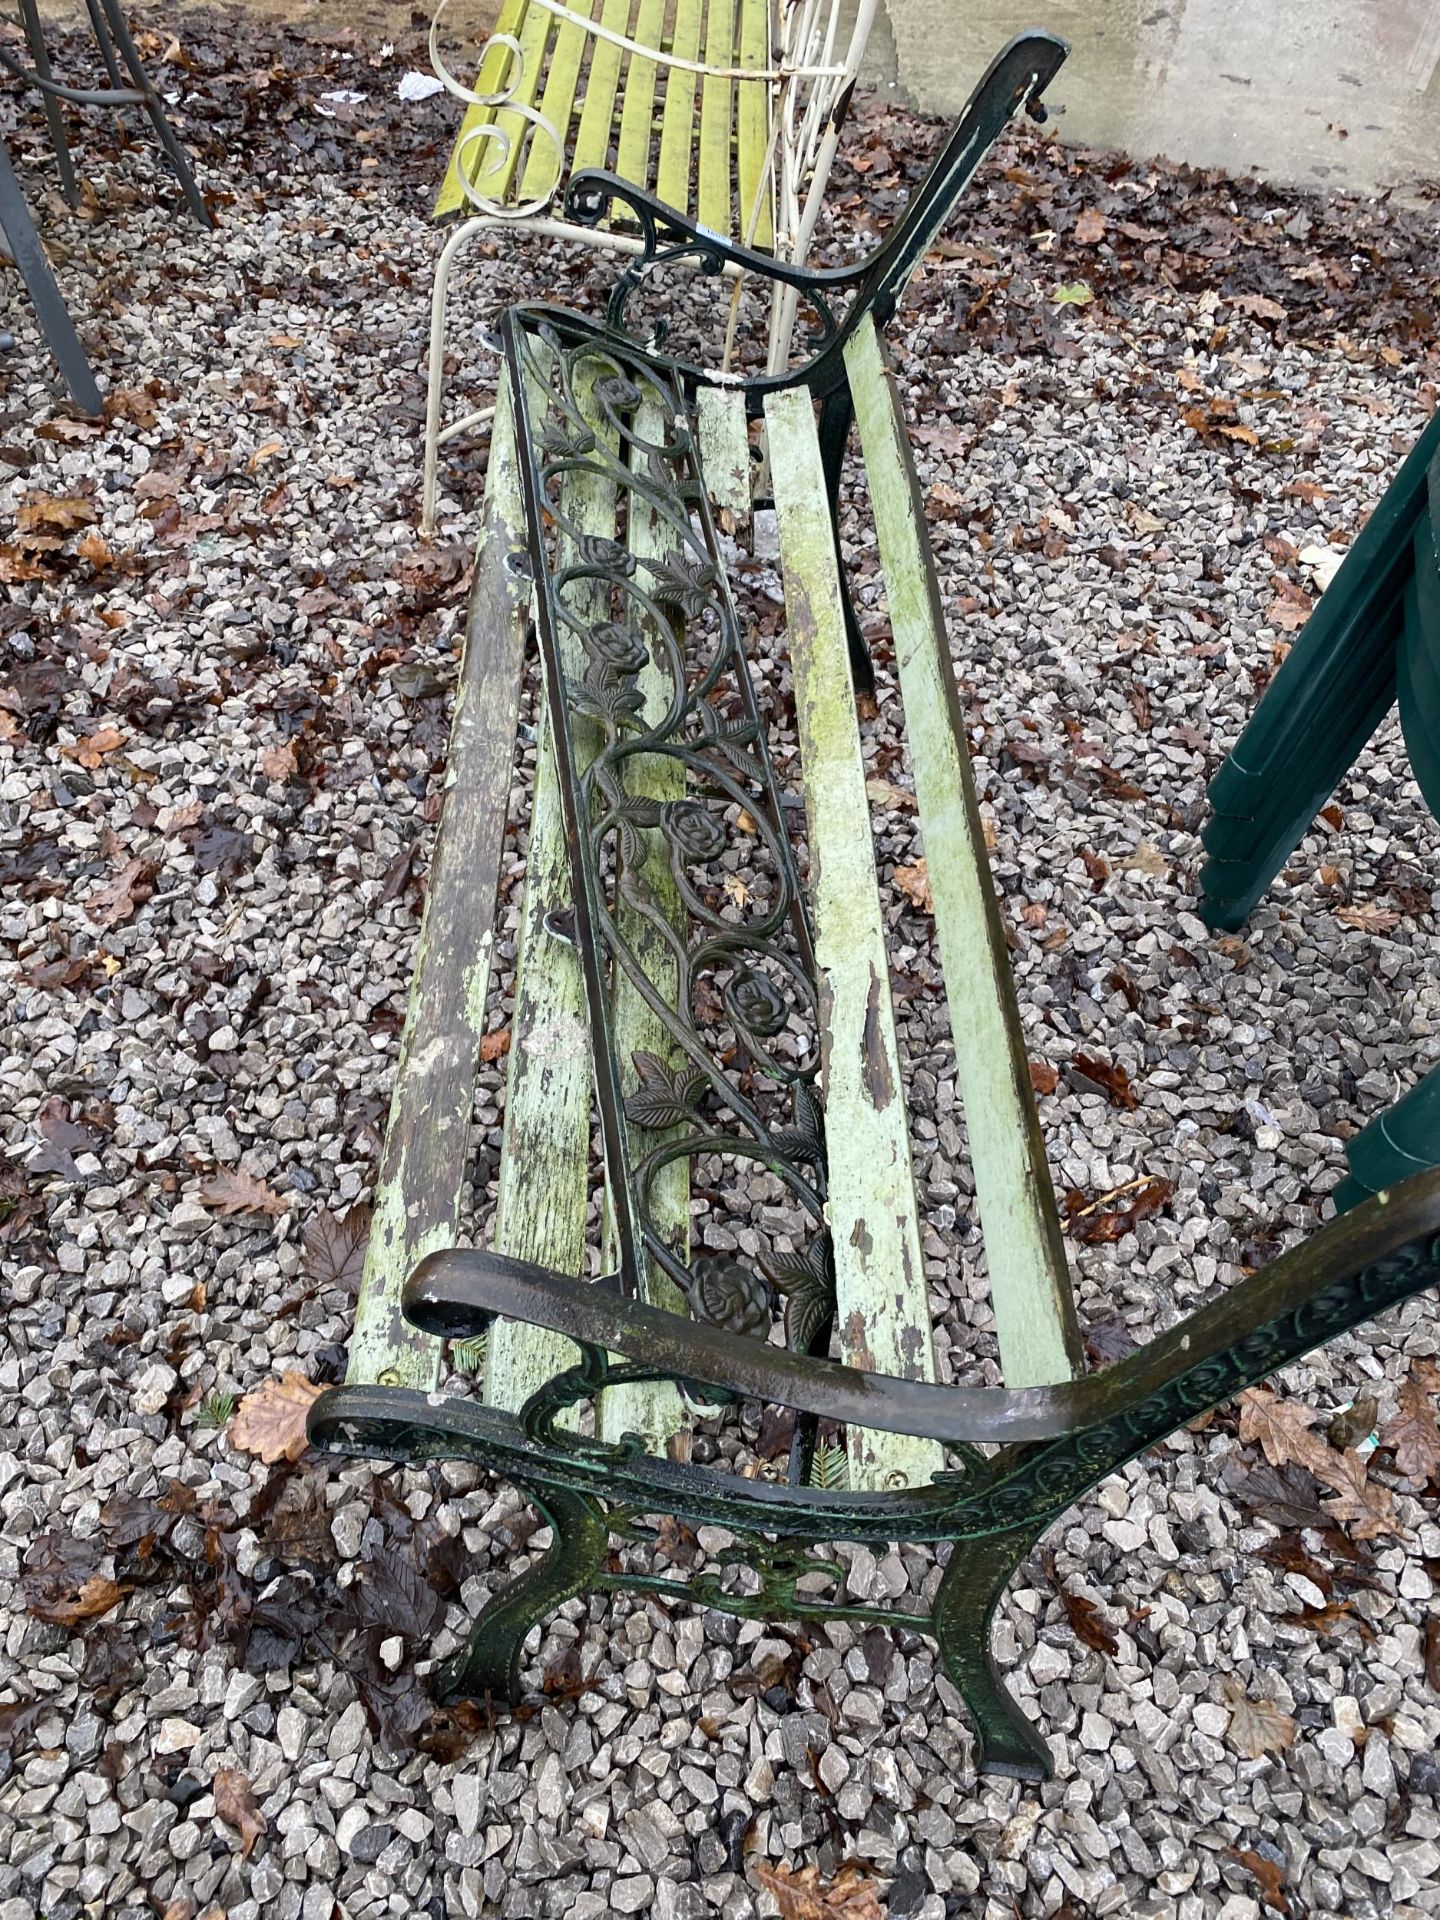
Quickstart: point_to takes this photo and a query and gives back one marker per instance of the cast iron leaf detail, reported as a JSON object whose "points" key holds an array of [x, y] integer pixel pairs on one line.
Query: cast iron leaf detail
{"points": [[807, 1282], [756, 1004], [600, 693], [692, 829], [683, 583], [729, 1295], [666, 1097], [805, 1140], [632, 814], [566, 441]]}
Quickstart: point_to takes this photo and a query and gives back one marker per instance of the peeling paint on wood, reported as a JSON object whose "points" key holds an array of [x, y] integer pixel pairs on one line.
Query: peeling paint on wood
{"points": [[883, 1302], [424, 1167], [1029, 1274], [725, 447]]}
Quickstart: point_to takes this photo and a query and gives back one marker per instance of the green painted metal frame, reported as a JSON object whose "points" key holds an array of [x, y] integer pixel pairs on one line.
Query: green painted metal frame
{"points": [[1016, 1457]]}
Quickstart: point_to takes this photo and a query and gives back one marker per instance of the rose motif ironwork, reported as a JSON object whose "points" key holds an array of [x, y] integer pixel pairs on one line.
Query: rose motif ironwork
{"points": [[598, 550], [756, 1004], [729, 1295], [692, 829], [619, 646]]}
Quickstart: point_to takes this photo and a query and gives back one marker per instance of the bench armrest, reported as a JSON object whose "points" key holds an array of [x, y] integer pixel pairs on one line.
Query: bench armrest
{"points": [[1351, 1270], [1016, 78]]}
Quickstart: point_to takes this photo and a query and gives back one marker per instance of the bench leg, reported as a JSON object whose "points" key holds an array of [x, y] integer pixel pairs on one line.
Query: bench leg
{"points": [[488, 1665], [970, 1588]]}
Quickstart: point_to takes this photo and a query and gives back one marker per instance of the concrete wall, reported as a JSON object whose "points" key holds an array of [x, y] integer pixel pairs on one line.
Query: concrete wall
{"points": [[1321, 92]]}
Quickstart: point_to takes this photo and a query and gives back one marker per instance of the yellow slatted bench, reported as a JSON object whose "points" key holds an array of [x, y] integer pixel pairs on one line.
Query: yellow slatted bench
{"points": [[744, 1040], [726, 110]]}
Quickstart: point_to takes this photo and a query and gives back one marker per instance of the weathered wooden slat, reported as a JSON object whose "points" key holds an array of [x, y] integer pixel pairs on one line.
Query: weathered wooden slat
{"points": [[544, 166], [883, 1310], [717, 106], [752, 116], [425, 1162], [497, 173], [653, 1410], [597, 116], [677, 132], [637, 111], [1029, 1275], [494, 66], [725, 447], [544, 1161]]}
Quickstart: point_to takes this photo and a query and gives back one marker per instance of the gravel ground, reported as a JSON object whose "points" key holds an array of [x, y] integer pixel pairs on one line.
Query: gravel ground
{"points": [[223, 717]]}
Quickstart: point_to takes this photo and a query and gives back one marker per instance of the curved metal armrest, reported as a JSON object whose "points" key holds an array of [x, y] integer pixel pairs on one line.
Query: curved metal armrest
{"points": [[1016, 78], [1352, 1269]]}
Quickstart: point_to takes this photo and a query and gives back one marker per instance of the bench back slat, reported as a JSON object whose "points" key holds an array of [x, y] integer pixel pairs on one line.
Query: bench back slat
{"points": [[882, 1300], [470, 157], [653, 1409], [637, 109], [1029, 1274], [755, 222], [677, 133], [725, 448], [597, 116], [545, 1158], [544, 166], [425, 1163]]}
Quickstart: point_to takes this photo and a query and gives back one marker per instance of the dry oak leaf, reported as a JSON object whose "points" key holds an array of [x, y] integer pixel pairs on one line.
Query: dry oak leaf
{"points": [[805, 1896], [1367, 1509], [231, 1192], [914, 883], [1412, 1436], [53, 513], [270, 1423], [335, 1248], [1256, 1726], [236, 1805], [92, 749], [1282, 1429], [1368, 919]]}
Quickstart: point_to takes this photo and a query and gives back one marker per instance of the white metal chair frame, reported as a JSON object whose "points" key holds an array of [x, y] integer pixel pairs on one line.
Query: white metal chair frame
{"points": [[809, 95]]}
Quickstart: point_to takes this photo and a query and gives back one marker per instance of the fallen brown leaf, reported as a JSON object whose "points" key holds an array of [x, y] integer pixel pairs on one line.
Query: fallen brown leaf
{"points": [[1413, 1436], [804, 1895], [1112, 1079], [270, 1422], [231, 1190], [1282, 1430], [914, 883], [92, 749], [1088, 1624], [1257, 1727], [335, 1248], [1269, 1877], [1090, 227], [120, 897], [494, 1045], [1369, 919], [236, 1805], [1367, 1509], [53, 513], [1043, 1077]]}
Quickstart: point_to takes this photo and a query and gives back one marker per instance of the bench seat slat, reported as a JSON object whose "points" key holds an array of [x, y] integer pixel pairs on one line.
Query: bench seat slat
{"points": [[652, 1409], [677, 135], [883, 1311], [717, 107], [597, 116], [497, 174], [637, 112], [752, 114], [545, 1156], [725, 448], [425, 1164], [544, 167], [1029, 1274], [494, 66]]}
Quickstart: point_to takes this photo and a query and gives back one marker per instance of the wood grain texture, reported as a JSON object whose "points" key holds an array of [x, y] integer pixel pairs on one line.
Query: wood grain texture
{"points": [[1029, 1274], [425, 1161], [883, 1308]]}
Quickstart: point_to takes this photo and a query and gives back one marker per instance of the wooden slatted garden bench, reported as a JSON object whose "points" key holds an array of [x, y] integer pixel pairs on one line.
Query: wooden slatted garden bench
{"points": [[742, 1042]]}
